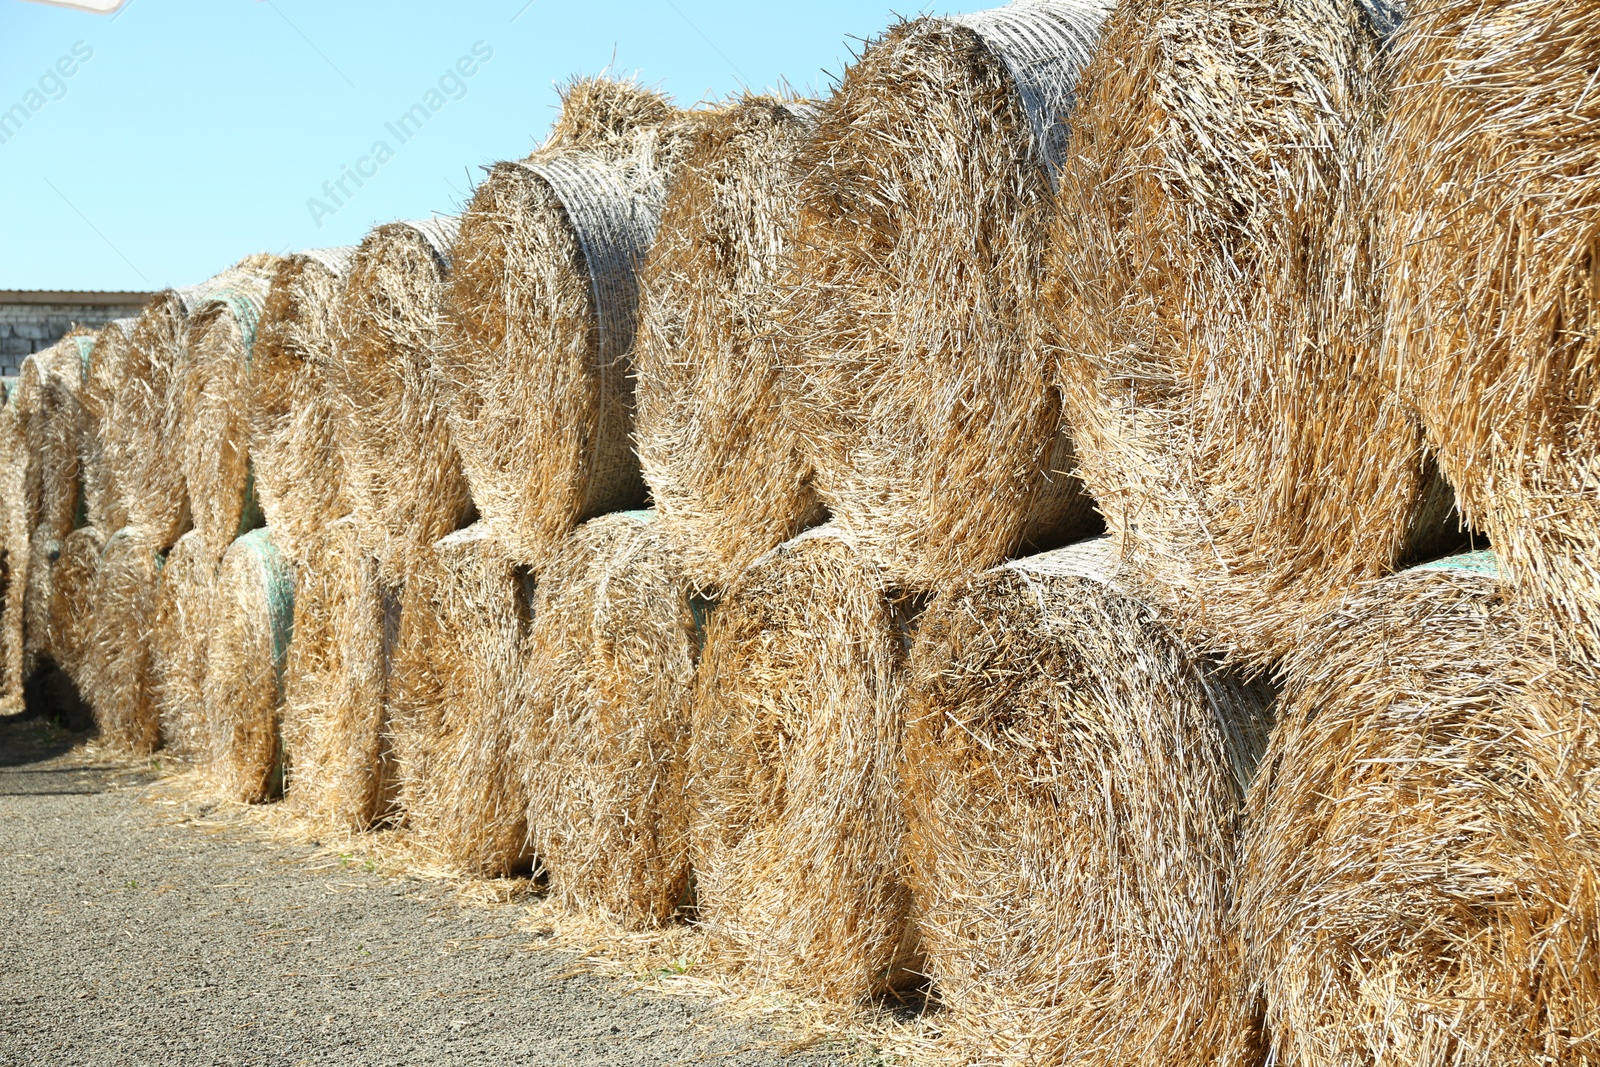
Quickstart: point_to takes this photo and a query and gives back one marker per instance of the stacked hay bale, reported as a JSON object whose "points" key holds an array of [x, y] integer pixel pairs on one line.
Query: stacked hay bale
{"points": [[108, 371], [401, 468], [793, 773], [251, 625], [714, 446], [1419, 879], [13, 549], [292, 410], [607, 730], [928, 416], [116, 673], [1075, 778], [456, 698], [1213, 303], [180, 634], [543, 307], [72, 611], [26, 546], [212, 399], [1490, 220]]}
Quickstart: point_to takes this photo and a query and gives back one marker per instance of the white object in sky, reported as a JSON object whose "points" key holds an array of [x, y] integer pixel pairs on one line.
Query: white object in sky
{"points": [[97, 7]]}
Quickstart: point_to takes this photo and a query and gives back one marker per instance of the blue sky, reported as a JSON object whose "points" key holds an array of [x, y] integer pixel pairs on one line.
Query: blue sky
{"points": [[162, 144]]}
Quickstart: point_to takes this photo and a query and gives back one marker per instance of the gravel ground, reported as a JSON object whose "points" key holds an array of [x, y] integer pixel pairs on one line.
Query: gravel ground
{"points": [[131, 937]]}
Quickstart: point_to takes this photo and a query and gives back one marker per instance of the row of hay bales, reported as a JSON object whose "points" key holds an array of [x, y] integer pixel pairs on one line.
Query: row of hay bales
{"points": [[1016, 522]]}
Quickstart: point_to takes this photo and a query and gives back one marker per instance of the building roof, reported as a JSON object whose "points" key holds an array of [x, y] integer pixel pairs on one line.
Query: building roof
{"points": [[66, 296]]}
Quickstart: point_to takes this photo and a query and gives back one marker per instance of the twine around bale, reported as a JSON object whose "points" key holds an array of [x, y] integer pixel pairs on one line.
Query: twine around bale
{"points": [[438, 232], [1484, 562], [279, 585]]}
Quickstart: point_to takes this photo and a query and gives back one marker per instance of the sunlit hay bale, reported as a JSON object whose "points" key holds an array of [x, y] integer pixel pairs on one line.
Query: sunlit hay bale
{"points": [[27, 406], [57, 440], [793, 774], [456, 696], [292, 410], [1491, 224], [336, 753], [927, 413], [543, 305], [72, 603], [1419, 881], [1213, 305], [117, 668], [724, 472], [108, 370], [44, 548], [213, 399], [401, 468], [1075, 777], [252, 621], [180, 634], [612, 684], [14, 548]]}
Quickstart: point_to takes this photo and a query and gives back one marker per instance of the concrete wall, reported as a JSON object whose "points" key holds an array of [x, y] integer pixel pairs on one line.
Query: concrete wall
{"points": [[29, 328]]}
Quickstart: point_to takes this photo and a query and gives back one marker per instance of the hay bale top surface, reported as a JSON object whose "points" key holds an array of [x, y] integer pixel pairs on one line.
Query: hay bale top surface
{"points": [[602, 113]]}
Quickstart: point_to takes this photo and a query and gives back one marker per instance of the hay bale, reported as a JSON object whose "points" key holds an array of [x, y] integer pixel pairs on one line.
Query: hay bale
{"points": [[116, 680], [1419, 878], [456, 696], [543, 304], [107, 376], [27, 404], [292, 410], [186, 597], [252, 622], [1075, 778], [1490, 217], [929, 417], [72, 611], [724, 472], [57, 438], [44, 548], [1214, 306], [14, 548], [213, 399], [401, 468], [612, 684], [337, 765], [793, 773]]}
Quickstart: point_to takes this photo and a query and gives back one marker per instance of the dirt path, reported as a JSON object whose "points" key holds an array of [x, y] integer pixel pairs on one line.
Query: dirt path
{"points": [[127, 938]]}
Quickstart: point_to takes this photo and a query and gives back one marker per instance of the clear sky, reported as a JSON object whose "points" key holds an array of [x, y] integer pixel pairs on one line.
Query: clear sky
{"points": [[155, 147]]}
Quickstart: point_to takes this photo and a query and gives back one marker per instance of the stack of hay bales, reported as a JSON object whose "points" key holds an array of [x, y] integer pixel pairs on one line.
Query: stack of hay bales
{"points": [[1075, 779], [1419, 880], [180, 631], [793, 773], [604, 740], [292, 410], [544, 300], [929, 417], [457, 694], [714, 444], [1213, 304], [1490, 224]]}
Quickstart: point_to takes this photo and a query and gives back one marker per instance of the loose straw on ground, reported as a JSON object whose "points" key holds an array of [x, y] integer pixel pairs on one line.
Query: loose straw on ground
{"points": [[252, 623], [180, 634], [457, 696], [793, 774], [715, 447], [1490, 221], [612, 672], [292, 410], [116, 679], [1213, 306], [1075, 777], [1419, 884], [928, 414]]}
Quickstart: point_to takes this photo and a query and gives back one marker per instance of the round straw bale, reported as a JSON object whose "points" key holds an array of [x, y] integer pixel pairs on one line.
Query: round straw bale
{"points": [[334, 733], [1213, 304], [1491, 221], [402, 470], [292, 411], [1075, 778], [57, 440], [180, 634], [14, 548], [1419, 880], [793, 773], [929, 417], [252, 621], [213, 400], [28, 406], [724, 471], [72, 603], [107, 376], [613, 669], [456, 694], [543, 307], [44, 548], [117, 672]]}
